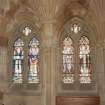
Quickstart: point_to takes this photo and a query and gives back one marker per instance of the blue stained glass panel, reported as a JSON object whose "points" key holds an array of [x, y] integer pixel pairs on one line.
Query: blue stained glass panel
{"points": [[18, 56]]}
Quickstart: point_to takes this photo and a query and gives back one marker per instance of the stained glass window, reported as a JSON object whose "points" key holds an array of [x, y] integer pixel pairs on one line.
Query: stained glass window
{"points": [[33, 76], [27, 31], [75, 28], [84, 60], [18, 56], [68, 60]]}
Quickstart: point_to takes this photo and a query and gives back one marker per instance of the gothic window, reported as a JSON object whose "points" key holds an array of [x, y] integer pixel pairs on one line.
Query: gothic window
{"points": [[68, 60], [18, 55], [84, 60], [25, 58], [33, 59], [77, 56]]}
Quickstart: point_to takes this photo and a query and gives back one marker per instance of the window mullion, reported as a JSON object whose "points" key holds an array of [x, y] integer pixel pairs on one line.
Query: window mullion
{"points": [[76, 66], [25, 72]]}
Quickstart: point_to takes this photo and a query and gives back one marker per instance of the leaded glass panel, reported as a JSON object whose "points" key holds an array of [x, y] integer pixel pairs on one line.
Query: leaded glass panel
{"points": [[18, 56], [33, 76], [68, 61], [84, 60]]}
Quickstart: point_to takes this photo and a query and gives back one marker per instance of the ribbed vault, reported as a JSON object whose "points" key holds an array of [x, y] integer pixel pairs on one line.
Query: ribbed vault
{"points": [[59, 10]]}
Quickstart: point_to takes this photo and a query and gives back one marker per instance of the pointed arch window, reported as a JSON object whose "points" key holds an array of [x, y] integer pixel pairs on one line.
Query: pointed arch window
{"points": [[77, 57], [18, 57], [85, 67], [68, 60], [77, 66], [33, 59], [25, 61]]}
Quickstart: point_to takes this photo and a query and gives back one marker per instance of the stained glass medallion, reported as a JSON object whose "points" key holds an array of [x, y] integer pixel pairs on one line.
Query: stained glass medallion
{"points": [[33, 76], [18, 57], [75, 28], [68, 61], [27, 31]]}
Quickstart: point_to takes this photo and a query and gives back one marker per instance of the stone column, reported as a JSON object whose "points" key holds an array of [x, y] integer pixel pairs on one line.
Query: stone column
{"points": [[49, 61], [100, 53]]}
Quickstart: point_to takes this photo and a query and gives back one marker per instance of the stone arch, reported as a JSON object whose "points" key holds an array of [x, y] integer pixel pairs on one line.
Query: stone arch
{"points": [[17, 32], [86, 30], [66, 27]]}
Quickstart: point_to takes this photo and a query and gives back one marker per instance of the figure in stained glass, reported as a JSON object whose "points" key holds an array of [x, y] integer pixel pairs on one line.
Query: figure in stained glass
{"points": [[68, 61], [33, 61], [85, 64], [18, 56]]}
